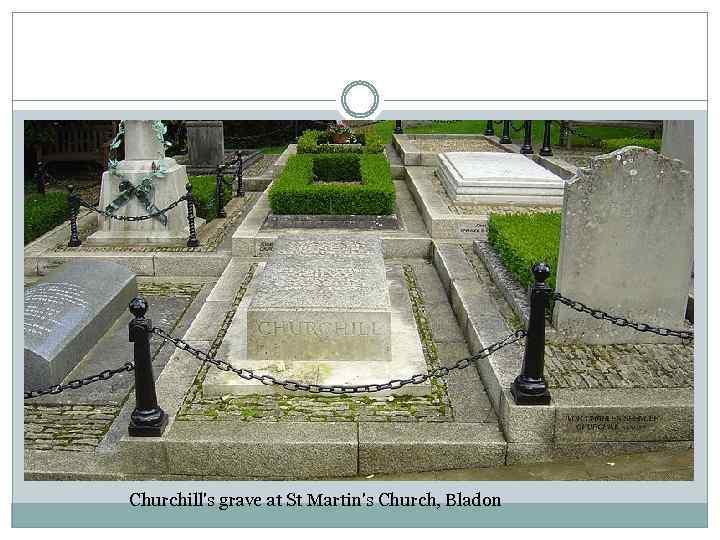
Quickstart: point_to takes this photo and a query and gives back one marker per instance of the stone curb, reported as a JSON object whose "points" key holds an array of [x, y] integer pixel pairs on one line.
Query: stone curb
{"points": [[578, 421]]}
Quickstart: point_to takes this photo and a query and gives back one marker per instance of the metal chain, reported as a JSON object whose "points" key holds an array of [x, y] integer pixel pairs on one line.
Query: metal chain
{"points": [[79, 383], [105, 213], [621, 321], [291, 385]]}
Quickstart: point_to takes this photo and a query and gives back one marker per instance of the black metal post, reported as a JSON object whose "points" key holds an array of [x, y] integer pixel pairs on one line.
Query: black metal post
{"points": [[74, 203], [398, 127], [219, 192], [546, 149], [505, 138], [148, 419], [530, 387], [192, 240], [239, 176], [40, 178], [489, 130], [527, 148]]}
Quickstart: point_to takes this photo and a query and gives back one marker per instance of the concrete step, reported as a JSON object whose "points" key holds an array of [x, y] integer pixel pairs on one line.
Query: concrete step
{"points": [[397, 169]]}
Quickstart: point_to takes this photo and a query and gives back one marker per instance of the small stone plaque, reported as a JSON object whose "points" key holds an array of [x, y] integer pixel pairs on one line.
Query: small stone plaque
{"points": [[321, 298], [67, 312]]}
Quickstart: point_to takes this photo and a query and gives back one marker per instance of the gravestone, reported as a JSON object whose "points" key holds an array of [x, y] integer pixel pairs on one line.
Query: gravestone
{"points": [[67, 312], [677, 142], [144, 153], [205, 145], [624, 246], [498, 178], [321, 299]]}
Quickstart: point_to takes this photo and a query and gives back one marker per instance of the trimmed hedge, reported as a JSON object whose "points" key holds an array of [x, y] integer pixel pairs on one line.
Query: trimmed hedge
{"points": [[44, 212], [296, 192], [610, 145], [336, 168], [204, 195], [521, 240], [314, 141]]}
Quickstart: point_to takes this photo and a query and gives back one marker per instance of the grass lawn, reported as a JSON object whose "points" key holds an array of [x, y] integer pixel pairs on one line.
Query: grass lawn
{"points": [[43, 213], [273, 149], [385, 130]]}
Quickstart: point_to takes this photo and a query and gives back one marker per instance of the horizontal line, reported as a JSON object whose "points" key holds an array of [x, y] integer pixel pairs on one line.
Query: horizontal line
{"points": [[173, 100], [542, 100], [369, 12]]}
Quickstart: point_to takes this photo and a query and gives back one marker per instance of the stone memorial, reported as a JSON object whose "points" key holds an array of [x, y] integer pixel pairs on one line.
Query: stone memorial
{"points": [[624, 246], [677, 142], [67, 312], [321, 299], [141, 184], [498, 178], [205, 145]]}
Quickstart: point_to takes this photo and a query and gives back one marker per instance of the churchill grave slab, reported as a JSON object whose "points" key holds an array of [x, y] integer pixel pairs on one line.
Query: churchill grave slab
{"points": [[67, 312], [321, 299], [498, 178]]}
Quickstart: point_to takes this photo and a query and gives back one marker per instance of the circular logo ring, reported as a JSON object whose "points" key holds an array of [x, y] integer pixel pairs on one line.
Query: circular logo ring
{"points": [[361, 114]]}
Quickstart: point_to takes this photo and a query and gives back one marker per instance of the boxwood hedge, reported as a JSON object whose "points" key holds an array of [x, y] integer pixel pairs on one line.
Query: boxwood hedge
{"points": [[44, 212], [312, 142], [524, 239], [301, 190]]}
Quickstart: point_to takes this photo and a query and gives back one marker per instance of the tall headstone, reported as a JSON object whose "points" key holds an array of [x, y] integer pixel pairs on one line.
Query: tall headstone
{"points": [[67, 312], [144, 154], [678, 142], [624, 245], [205, 144]]}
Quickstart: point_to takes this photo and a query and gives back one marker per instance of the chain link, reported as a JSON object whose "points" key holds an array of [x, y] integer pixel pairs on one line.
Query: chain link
{"points": [[79, 383], [621, 321], [292, 385], [105, 213]]}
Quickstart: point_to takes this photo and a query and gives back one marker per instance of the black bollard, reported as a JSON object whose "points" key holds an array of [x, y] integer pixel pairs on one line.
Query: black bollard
{"points": [[489, 130], [74, 203], [40, 174], [192, 234], [530, 387], [398, 127], [505, 138], [148, 419], [527, 148], [546, 149], [219, 192], [239, 176]]}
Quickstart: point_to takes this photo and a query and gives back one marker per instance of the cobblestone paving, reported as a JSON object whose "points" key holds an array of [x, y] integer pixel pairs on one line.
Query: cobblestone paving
{"points": [[602, 366], [260, 166], [322, 408], [77, 428], [460, 144], [210, 243]]}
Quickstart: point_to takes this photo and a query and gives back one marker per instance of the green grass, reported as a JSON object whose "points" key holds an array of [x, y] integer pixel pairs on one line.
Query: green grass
{"points": [[43, 213], [204, 195], [521, 240], [298, 191], [385, 130]]}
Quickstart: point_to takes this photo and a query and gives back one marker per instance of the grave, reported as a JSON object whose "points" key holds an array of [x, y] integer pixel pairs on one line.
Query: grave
{"points": [[205, 145], [161, 181], [626, 246], [321, 311], [321, 300], [498, 178], [67, 312]]}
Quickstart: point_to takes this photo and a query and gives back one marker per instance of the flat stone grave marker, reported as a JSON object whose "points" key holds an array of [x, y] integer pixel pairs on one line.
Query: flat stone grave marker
{"points": [[626, 246], [321, 299], [498, 178], [67, 312]]}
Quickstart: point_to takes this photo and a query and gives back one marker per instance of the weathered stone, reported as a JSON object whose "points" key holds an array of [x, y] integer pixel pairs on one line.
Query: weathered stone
{"points": [[67, 312], [205, 143], [143, 152], [321, 299], [497, 178], [625, 245]]}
